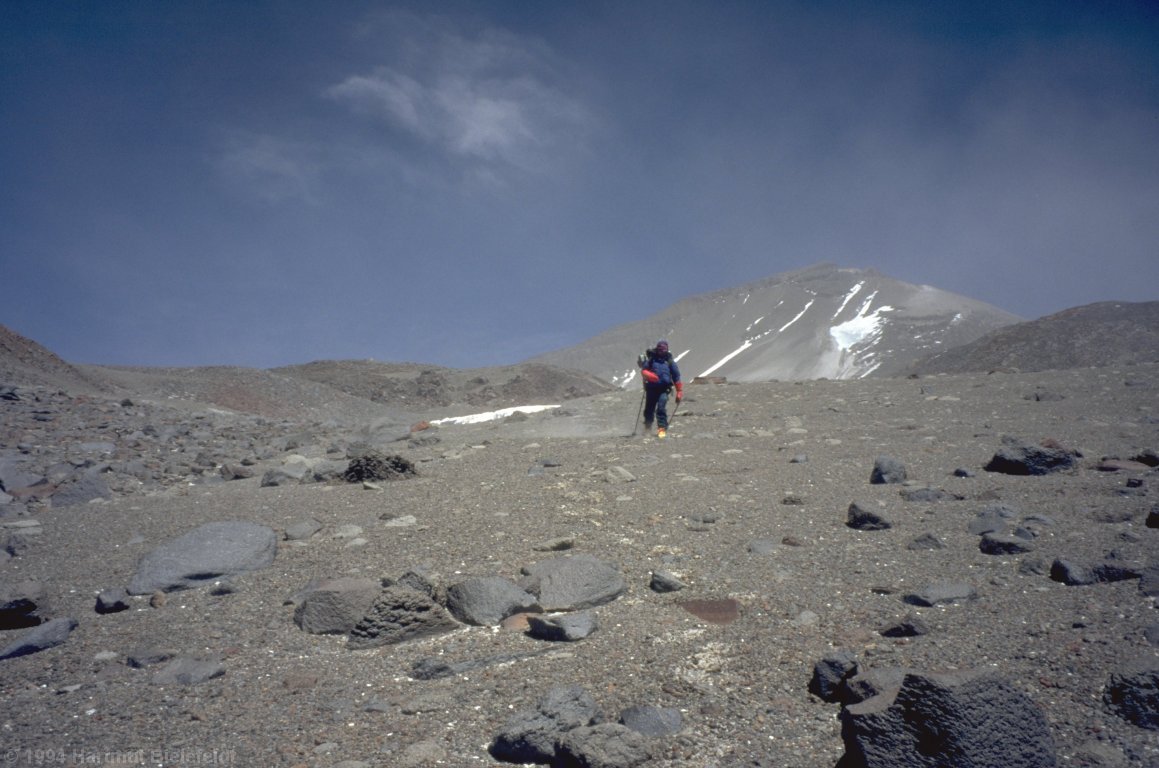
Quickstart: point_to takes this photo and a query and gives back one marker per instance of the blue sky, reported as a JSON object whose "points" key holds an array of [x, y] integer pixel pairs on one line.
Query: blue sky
{"points": [[472, 183]]}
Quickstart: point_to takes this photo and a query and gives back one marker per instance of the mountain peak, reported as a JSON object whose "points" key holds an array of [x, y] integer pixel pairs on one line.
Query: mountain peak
{"points": [[823, 321]]}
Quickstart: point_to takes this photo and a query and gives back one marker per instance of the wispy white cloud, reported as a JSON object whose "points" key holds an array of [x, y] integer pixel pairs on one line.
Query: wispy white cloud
{"points": [[272, 168], [494, 98]]}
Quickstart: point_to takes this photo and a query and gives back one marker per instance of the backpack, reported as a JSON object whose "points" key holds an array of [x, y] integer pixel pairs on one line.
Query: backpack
{"points": [[658, 365]]}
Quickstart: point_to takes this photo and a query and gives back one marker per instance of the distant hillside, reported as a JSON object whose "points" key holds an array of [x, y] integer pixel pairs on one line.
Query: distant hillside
{"points": [[23, 361], [820, 322], [426, 387], [1094, 335]]}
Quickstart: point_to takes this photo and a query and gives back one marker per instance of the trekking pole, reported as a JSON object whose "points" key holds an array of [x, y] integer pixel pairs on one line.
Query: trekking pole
{"points": [[638, 413]]}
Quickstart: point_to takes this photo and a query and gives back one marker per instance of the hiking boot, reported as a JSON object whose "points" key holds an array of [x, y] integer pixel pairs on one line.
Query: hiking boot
{"points": [[647, 427], [662, 433]]}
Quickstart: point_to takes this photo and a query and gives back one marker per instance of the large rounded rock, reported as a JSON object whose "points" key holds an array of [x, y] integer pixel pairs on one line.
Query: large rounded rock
{"points": [[204, 555], [573, 583], [487, 600]]}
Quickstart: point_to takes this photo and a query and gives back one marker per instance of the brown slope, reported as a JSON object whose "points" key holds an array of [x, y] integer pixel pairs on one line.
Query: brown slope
{"points": [[23, 361], [1094, 335], [424, 387]]}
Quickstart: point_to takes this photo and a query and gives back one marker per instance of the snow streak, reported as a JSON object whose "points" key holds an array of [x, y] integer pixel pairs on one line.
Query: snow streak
{"points": [[477, 418]]}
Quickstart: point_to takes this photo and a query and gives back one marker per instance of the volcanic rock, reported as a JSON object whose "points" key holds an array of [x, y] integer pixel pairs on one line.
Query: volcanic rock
{"points": [[204, 555]]}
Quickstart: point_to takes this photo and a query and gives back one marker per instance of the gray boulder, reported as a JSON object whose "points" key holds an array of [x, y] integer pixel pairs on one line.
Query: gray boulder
{"points": [[887, 470], [487, 600], [15, 474], [302, 530], [336, 606], [972, 720], [48, 635], [1133, 692], [188, 671], [205, 555], [81, 490], [862, 517], [572, 583], [565, 627], [606, 745], [925, 541], [530, 736], [941, 593], [929, 495], [653, 721], [398, 615], [993, 519]]}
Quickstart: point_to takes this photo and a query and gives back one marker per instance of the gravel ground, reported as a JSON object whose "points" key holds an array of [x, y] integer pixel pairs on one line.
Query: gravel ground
{"points": [[484, 504]]}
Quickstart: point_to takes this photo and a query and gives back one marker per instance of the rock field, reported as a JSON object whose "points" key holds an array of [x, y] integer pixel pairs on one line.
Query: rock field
{"points": [[186, 585]]}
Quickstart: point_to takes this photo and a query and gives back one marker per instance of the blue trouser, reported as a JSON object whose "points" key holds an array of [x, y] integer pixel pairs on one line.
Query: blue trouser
{"points": [[656, 404]]}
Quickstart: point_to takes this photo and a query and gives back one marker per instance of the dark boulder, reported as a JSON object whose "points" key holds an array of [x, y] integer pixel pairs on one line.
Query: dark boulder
{"points": [[1017, 458], [861, 517], [1133, 692], [398, 615], [530, 736], [938, 720]]}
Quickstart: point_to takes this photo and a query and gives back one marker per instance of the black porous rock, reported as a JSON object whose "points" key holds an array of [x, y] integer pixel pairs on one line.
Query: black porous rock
{"points": [[205, 555], [1153, 517], [830, 674], [1133, 692], [530, 736], [1109, 571], [910, 626], [1003, 544], [485, 601], [665, 581], [21, 604], [887, 470], [398, 615], [862, 518], [940, 720], [112, 600], [372, 466], [573, 582], [941, 593], [606, 745], [1150, 457], [47, 635], [564, 627], [652, 721], [1023, 459], [873, 682]]}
